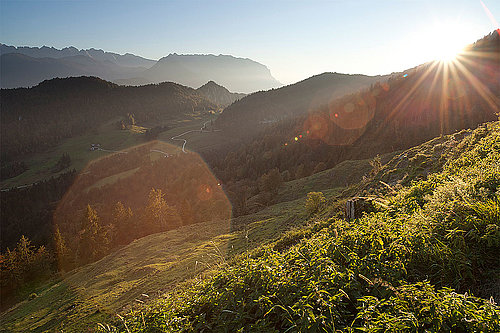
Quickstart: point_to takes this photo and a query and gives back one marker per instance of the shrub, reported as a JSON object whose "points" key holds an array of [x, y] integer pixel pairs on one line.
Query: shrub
{"points": [[314, 202]]}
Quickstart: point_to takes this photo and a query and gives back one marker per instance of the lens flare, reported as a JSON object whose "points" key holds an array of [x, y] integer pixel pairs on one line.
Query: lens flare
{"points": [[143, 192], [491, 17]]}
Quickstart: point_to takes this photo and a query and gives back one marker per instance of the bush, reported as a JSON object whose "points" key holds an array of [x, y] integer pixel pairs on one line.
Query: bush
{"points": [[314, 202], [418, 307]]}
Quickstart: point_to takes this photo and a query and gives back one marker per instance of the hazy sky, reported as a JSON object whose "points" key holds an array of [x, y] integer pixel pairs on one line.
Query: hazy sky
{"points": [[295, 39]]}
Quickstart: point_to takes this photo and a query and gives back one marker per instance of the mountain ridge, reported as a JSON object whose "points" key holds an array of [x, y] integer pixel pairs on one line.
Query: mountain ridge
{"points": [[265, 107], [20, 70], [236, 74], [127, 59], [193, 70], [63, 108]]}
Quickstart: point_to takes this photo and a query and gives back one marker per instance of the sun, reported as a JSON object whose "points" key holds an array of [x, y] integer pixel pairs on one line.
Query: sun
{"points": [[447, 41], [443, 41], [447, 50]]}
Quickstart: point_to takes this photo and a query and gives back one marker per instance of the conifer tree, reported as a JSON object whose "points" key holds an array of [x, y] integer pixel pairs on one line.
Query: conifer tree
{"points": [[93, 243], [160, 216], [126, 229], [61, 251]]}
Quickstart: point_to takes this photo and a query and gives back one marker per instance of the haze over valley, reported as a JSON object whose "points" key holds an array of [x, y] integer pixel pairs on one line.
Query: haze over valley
{"points": [[28, 66]]}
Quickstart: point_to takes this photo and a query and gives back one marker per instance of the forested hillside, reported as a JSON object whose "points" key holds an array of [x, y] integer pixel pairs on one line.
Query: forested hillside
{"points": [[410, 108], [76, 220], [250, 115], [38, 118], [218, 94]]}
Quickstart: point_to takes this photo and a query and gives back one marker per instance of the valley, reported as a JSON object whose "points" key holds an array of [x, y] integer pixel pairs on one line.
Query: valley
{"points": [[111, 139], [196, 193], [119, 282], [143, 271]]}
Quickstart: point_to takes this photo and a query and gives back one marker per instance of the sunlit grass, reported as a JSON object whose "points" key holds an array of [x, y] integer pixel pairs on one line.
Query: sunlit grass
{"points": [[151, 265], [397, 269], [78, 148]]}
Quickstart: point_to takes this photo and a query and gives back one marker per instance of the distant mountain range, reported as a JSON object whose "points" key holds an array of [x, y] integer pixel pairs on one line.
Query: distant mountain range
{"points": [[28, 66], [127, 60], [237, 74], [19, 70]]}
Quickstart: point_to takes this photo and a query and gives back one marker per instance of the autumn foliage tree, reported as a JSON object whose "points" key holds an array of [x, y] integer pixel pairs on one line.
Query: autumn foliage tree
{"points": [[62, 252], [124, 225], [23, 265], [93, 241], [158, 215]]}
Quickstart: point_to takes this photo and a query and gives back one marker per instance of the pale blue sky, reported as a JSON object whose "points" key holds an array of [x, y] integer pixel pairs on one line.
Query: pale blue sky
{"points": [[295, 39]]}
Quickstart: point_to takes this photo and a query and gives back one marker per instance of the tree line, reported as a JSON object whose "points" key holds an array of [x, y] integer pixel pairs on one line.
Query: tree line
{"points": [[26, 266]]}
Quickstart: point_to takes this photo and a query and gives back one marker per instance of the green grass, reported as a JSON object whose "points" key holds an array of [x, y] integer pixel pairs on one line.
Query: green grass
{"points": [[40, 164], [152, 266], [418, 162], [411, 266], [281, 269], [110, 138]]}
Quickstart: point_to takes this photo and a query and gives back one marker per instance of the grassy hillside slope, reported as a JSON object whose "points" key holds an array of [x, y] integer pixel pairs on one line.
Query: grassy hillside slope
{"points": [[343, 175], [389, 270], [94, 292], [145, 269], [413, 265]]}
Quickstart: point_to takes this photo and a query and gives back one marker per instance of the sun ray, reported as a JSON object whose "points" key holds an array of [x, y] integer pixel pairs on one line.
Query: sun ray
{"points": [[459, 96], [443, 105], [402, 102], [433, 84], [463, 56], [480, 88]]}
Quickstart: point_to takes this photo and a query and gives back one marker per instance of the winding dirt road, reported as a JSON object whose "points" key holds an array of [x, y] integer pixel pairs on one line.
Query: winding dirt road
{"points": [[175, 138], [201, 130]]}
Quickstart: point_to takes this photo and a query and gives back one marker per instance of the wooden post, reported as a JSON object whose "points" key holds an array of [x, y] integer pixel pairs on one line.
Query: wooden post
{"points": [[350, 210], [355, 207]]}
